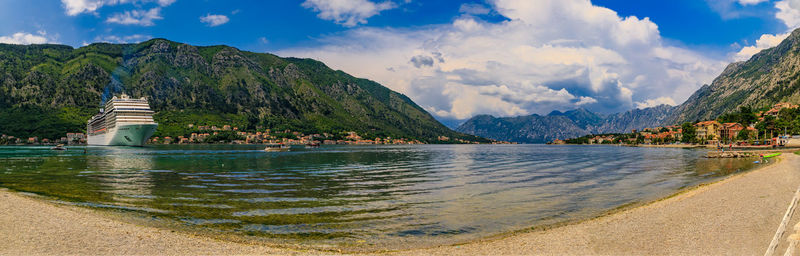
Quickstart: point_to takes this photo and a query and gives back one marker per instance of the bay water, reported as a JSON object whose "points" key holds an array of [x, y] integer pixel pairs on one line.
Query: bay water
{"points": [[388, 197]]}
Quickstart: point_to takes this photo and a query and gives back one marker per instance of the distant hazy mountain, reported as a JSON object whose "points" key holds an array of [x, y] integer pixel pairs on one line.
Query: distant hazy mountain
{"points": [[558, 125], [524, 129], [636, 119], [769, 77]]}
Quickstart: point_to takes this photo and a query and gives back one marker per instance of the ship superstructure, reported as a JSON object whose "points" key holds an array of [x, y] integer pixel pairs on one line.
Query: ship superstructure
{"points": [[123, 122]]}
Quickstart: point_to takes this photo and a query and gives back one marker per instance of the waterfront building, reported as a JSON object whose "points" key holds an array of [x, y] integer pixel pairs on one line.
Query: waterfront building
{"points": [[76, 138], [708, 130], [353, 136], [729, 131]]}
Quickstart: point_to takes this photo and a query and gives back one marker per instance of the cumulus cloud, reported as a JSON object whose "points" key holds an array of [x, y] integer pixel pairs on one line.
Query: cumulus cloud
{"points": [[136, 17], [214, 20], [766, 41], [165, 2], [422, 61], [25, 38], [136, 38], [75, 7], [348, 13], [548, 55], [750, 2], [655, 102], [788, 13], [474, 9]]}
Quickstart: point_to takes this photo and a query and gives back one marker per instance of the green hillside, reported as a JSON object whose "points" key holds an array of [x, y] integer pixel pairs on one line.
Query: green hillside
{"points": [[49, 90]]}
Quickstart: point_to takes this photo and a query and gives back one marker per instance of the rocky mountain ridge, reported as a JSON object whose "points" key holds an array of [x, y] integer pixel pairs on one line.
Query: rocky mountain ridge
{"points": [[769, 77], [557, 125]]}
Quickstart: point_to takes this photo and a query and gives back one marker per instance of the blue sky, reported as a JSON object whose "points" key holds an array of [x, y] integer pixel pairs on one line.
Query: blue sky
{"points": [[287, 24], [454, 58]]}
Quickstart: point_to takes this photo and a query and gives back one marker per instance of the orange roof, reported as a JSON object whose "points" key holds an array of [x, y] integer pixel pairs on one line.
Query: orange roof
{"points": [[707, 123], [730, 125]]}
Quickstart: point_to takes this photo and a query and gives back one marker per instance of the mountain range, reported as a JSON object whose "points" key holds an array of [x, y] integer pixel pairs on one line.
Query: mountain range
{"points": [[49, 90], [561, 125], [768, 77]]}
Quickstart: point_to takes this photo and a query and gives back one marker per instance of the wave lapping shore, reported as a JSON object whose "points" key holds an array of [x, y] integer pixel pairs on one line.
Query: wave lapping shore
{"points": [[738, 215]]}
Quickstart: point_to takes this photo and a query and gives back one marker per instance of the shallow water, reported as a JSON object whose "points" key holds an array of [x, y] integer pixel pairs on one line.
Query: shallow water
{"points": [[387, 196]]}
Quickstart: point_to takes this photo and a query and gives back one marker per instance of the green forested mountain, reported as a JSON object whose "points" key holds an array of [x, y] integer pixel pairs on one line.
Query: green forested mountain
{"points": [[770, 76], [48, 90]]}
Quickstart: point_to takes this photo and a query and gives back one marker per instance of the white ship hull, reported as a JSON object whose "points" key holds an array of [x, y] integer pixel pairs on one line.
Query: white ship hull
{"points": [[124, 135]]}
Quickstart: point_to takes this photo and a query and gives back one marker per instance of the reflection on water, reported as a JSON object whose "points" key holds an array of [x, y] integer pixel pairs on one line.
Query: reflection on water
{"points": [[388, 195]]}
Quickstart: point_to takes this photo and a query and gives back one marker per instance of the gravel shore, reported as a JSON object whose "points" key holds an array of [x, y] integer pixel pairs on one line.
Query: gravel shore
{"points": [[738, 216]]}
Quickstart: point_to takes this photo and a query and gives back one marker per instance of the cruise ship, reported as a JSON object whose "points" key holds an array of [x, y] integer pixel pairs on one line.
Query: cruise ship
{"points": [[123, 122]]}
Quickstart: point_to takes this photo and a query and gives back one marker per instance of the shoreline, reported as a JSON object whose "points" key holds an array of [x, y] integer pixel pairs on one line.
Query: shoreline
{"points": [[604, 235], [50, 223]]}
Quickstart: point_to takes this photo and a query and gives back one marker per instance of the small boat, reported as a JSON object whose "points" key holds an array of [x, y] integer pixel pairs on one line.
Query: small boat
{"points": [[280, 147], [313, 145], [59, 147]]}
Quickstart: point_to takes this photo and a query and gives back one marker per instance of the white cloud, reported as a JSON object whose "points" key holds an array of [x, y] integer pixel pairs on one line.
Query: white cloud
{"points": [[655, 102], [750, 2], [766, 41], [263, 40], [474, 9], [348, 13], [25, 38], [75, 7], [136, 38], [165, 2], [551, 54], [788, 13], [214, 20], [136, 17]]}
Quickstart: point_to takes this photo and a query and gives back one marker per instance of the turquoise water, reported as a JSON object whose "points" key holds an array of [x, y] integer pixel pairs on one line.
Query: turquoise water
{"points": [[390, 196]]}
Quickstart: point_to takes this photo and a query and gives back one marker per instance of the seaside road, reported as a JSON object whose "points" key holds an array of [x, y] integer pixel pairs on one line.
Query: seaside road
{"points": [[736, 216]]}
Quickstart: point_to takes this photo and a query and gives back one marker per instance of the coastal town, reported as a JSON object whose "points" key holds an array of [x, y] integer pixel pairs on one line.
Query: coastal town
{"points": [[771, 127], [232, 135], [227, 134]]}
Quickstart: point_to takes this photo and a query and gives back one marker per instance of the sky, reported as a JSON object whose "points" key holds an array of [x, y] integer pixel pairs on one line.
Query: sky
{"points": [[456, 59]]}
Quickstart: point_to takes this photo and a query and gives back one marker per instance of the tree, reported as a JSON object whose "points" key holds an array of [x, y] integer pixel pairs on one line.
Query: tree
{"points": [[746, 116], [688, 133], [743, 135], [664, 129], [767, 125]]}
